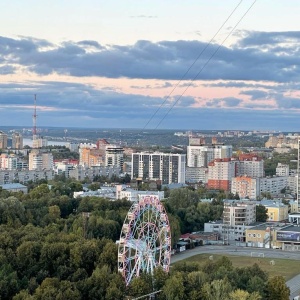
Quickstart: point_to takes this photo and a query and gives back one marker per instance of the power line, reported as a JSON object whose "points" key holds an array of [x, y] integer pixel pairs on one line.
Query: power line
{"points": [[197, 58], [205, 64]]}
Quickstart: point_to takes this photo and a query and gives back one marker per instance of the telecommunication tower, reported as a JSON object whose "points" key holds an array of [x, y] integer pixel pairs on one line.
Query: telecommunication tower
{"points": [[34, 116]]}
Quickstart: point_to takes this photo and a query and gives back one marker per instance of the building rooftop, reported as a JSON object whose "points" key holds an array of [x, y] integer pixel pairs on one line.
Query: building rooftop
{"points": [[295, 214], [291, 228], [268, 225], [271, 203], [10, 186]]}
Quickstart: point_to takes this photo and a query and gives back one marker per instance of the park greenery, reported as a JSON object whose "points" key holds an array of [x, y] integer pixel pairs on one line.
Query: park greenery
{"points": [[54, 246]]}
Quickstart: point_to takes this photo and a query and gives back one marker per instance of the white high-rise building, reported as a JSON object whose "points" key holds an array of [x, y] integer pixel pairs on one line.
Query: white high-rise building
{"points": [[202, 155], [237, 212], [252, 166], [282, 170], [114, 156], [40, 160], [168, 168]]}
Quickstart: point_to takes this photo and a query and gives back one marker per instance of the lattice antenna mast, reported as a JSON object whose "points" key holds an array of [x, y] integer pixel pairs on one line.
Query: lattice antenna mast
{"points": [[34, 116]]}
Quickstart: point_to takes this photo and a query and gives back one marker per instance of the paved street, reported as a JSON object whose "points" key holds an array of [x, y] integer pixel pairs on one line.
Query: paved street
{"points": [[293, 284]]}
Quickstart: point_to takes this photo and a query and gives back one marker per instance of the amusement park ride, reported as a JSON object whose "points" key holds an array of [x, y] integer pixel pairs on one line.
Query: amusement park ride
{"points": [[145, 240]]}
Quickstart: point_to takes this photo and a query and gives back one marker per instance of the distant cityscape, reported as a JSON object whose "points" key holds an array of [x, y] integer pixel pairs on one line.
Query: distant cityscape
{"points": [[130, 165]]}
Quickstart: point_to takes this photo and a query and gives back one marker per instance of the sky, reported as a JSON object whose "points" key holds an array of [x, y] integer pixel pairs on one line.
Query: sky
{"points": [[151, 64]]}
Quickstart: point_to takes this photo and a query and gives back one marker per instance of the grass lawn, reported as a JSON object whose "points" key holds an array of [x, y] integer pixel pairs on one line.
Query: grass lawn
{"points": [[284, 267]]}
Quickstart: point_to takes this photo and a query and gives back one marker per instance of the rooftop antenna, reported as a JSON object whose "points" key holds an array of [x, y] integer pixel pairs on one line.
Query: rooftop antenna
{"points": [[34, 116]]}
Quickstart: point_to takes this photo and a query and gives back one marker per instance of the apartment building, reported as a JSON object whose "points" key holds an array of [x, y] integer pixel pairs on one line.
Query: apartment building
{"points": [[195, 174], [239, 212], [82, 172], [273, 185], [114, 156], [168, 168], [17, 141], [282, 170], [40, 160], [220, 173], [24, 176], [202, 155], [3, 140], [39, 142], [250, 165], [245, 187], [91, 157]]}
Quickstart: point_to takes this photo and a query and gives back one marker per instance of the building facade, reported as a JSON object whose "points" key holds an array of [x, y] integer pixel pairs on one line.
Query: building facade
{"points": [[3, 140], [82, 172], [168, 168], [130, 194], [250, 165], [282, 170], [245, 187], [17, 141], [202, 155], [114, 156], [273, 185], [277, 211], [237, 212], [24, 176], [220, 173], [40, 160], [91, 157]]}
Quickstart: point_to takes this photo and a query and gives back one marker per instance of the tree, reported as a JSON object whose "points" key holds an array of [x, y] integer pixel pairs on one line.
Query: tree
{"points": [[216, 290], [140, 286], [54, 213], [9, 284], [261, 213], [276, 289], [52, 288], [39, 191], [194, 282], [12, 211], [94, 186], [244, 295], [174, 287], [23, 295]]}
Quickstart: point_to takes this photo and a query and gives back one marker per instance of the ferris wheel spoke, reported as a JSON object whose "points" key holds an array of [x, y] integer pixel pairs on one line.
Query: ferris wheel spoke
{"points": [[145, 239], [136, 268]]}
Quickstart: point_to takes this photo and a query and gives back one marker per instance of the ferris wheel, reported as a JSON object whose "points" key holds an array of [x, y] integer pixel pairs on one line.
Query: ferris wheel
{"points": [[145, 240]]}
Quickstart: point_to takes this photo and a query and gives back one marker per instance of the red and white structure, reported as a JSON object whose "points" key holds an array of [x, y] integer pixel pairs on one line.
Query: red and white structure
{"points": [[145, 239]]}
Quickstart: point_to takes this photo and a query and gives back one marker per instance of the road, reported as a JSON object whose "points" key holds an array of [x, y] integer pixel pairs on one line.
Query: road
{"points": [[293, 284]]}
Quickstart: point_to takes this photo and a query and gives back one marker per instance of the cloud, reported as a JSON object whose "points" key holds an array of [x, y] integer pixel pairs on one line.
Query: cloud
{"points": [[81, 105], [5, 70], [261, 68], [166, 60], [224, 102], [259, 39], [256, 94], [287, 102]]}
